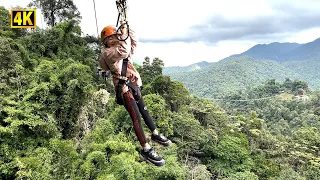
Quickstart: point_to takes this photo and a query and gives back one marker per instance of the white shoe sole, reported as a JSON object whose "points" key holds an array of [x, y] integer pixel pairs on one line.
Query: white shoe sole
{"points": [[157, 163], [168, 143]]}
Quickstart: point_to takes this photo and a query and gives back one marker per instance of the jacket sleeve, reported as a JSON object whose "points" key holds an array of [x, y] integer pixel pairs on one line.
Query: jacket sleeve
{"points": [[103, 64], [119, 52], [134, 40]]}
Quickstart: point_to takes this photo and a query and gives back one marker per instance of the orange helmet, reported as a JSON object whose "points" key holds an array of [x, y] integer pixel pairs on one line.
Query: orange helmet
{"points": [[107, 31]]}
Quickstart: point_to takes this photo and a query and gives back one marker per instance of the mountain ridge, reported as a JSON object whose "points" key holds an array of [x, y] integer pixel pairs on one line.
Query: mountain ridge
{"points": [[280, 52], [252, 67]]}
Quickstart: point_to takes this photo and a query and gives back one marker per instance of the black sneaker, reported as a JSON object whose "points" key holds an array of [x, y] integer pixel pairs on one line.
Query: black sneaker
{"points": [[152, 157], [161, 139]]}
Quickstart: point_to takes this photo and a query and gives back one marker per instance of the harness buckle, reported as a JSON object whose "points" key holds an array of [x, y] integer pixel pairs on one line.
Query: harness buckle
{"points": [[123, 78]]}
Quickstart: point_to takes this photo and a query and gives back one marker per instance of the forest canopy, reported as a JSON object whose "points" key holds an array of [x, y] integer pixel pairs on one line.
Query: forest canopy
{"points": [[59, 119]]}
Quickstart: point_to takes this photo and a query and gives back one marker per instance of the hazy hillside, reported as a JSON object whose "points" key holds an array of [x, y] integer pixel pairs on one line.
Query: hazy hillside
{"points": [[275, 51], [309, 70], [138, 62], [236, 73], [262, 61], [306, 51], [192, 67], [283, 51]]}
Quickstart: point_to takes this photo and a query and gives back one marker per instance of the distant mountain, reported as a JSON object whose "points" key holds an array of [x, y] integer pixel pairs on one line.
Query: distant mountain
{"points": [[281, 52], [306, 51], [192, 67], [138, 62], [224, 77], [252, 67], [273, 51]]}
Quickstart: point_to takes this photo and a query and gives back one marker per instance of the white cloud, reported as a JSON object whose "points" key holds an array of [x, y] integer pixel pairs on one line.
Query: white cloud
{"points": [[172, 18], [304, 36], [183, 54]]}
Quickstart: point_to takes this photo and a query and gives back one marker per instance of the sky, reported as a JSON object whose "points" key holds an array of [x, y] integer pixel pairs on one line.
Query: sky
{"points": [[183, 32]]}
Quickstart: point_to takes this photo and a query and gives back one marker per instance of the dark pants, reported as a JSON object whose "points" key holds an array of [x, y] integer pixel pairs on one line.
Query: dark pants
{"points": [[135, 108]]}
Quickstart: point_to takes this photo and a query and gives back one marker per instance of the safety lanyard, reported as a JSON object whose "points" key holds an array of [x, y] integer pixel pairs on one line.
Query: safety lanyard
{"points": [[122, 16]]}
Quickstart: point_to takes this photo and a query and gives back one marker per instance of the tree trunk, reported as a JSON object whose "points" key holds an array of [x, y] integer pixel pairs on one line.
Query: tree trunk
{"points": [[52, 18], [53, 4]]}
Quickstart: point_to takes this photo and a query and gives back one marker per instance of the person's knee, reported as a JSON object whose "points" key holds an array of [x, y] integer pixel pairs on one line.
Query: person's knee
{"points": [[130, 104]]}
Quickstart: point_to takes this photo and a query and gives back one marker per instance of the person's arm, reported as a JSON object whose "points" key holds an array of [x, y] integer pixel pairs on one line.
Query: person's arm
{"points": [[105, 71], [119, 52], [132, 35], [103, 64], [134, 40]]}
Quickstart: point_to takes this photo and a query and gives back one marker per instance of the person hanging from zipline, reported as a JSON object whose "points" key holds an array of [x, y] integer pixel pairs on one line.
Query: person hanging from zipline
{"points": [[116, 58]]}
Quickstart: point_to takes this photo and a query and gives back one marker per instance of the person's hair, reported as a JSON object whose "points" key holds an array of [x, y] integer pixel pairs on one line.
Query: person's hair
{"points": [[105, 43]]}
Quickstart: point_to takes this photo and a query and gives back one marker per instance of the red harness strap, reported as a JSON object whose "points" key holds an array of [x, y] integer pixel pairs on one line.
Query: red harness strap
{"points": [[133, 110]]}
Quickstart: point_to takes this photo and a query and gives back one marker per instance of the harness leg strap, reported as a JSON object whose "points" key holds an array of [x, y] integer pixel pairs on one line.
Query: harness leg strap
{"points": [[131, 106]]}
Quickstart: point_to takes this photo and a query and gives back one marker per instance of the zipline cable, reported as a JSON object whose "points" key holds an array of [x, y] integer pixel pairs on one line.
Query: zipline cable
{"points": [[95, 14], [241, 100], [244, 100]]}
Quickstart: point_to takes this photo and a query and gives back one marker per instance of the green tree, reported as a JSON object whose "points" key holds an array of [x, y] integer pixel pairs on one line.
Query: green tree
{"points": [[10, 67], [173, 92], [231, 155], [150, 70], [63, 41], [298, 84], [287, 84], [158, 108], [177, 95], [5, 29], [55, 11], [289, 173], [272, 87], [157, 66], [243, 176]]}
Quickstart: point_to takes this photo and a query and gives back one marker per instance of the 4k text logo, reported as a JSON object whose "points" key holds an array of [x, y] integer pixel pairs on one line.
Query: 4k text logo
{"points": [[23, 18]]}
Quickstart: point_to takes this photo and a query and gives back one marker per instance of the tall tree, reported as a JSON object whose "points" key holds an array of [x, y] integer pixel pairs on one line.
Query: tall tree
{"points": [[157, 65], [5, 19], [55, 11], [150, 70], [5, 29]]}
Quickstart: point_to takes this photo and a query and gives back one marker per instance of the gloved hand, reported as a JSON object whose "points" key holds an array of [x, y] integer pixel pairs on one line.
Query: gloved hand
{"points": [[105, 75], [124, 28]]}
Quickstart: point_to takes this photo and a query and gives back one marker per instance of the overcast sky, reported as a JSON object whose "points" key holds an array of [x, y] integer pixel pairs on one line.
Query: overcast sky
{"points": [[183, 32]]}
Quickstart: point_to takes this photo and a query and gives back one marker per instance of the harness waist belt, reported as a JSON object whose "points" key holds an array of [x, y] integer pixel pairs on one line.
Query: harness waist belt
{"points": [[122, 77]]}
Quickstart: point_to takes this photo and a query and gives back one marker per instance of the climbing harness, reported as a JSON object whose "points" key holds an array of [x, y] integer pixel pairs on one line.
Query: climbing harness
{"points": [[122, 16], [123, 80]]}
